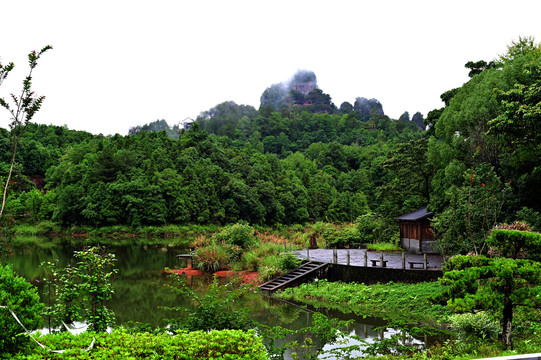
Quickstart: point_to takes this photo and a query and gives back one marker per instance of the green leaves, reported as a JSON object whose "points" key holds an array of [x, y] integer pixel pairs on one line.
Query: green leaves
{"points": [[34, 56], [496, 285], [4, 72], [515, 243], [22, 298], [80, 291], [119, 344], [213, 309], [518, 125], [95, 272]]}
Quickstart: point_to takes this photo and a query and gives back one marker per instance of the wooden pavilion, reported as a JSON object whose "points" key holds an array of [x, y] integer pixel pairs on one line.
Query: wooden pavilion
{"points": [[416, 233]]}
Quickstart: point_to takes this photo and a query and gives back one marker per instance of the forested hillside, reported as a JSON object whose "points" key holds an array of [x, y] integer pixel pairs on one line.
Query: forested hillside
{"points": [[300, 158], [149, 178]]}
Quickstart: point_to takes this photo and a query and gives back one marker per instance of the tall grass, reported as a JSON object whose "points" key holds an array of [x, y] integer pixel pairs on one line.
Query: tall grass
{"points": [[384, 247], [212, 257]]}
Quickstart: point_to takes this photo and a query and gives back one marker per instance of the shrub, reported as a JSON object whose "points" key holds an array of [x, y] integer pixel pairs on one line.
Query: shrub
{"points": [[213, 309], [121, 344], [327, 231], [375, 228], [515, 241], [213, 257], [241, 235], [475, 326], [270, 268], [17, 295], [252, 259], [288, 261], [47, 227], [532, 217], [345, 237], [95, 271]]}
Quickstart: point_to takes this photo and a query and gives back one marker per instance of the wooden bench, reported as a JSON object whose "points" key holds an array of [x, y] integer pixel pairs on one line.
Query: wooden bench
{"points": [[413, 263], [376, 261]]}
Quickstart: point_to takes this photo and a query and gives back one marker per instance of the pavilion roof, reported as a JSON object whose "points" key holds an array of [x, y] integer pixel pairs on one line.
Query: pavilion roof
{"points": [[416, 215]]}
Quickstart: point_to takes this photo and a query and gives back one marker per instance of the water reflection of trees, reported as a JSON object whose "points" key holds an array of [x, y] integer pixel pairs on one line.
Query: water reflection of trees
{"points": [[270, 311], [140, 294]]}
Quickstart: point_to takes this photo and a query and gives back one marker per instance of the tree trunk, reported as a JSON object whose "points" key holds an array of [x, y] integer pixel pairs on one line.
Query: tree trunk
{"points": [[507, 321], [5, 193]]}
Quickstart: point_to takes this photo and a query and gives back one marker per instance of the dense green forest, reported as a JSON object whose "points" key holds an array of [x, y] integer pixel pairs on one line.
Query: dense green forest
{"points": [[299, 158]]}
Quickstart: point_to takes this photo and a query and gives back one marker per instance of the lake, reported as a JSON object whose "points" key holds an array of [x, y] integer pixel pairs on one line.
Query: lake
{"points": [[140, 294]]}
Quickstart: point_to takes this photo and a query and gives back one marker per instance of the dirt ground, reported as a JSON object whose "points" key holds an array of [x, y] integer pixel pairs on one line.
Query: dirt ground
{"points": [[248, 277]]}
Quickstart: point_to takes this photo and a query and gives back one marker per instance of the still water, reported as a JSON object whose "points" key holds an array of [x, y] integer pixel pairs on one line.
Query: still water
{"points": [[141, 294]]}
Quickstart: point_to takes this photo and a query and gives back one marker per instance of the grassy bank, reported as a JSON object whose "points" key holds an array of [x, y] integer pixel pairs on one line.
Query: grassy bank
{"points": [[330, 234], [113, 233], [409, 302]]}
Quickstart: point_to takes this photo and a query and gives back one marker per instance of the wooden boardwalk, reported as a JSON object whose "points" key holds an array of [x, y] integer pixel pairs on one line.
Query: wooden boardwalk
{"points": [[357, 258], [319, 259]]}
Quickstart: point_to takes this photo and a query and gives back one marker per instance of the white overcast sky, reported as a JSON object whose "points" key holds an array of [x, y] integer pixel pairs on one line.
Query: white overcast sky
{"points": [[117, 64]]}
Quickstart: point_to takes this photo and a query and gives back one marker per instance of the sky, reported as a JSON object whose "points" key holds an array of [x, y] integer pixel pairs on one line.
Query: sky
{"points": [[116, 64]]}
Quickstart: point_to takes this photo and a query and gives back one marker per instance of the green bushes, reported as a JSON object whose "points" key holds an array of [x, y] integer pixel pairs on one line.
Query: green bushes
{"points": [[95, 270], [223, 248], [119, 344], [251, 260], [341, 238], [17, 295], [213, 257], [270, 268], [513, 242], [214, 308], [288, 261], [366, 229], [240, 247], [241, 235], [81, 291], [475, 326], [276, 265], [374, 228]]}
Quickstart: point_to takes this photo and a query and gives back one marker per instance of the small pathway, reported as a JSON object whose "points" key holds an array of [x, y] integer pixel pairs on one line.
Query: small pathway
{"points": [[356, 257]]}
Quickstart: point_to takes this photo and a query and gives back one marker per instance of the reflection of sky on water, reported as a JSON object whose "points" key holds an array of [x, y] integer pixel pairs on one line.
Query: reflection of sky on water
{"points": [[369, 336], [361, 335], [76, 328]]}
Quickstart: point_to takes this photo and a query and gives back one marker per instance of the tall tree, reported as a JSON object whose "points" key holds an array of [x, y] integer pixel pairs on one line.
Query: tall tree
{"points": [[519, 126], [22, 110], [477, 67], [414, 172], [496, 284], [466, 134]]}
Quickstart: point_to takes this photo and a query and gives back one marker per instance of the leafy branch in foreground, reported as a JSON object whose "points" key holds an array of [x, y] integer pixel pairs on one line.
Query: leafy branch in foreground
{"points": [[81, 291], [24, 108], [213, 309]]}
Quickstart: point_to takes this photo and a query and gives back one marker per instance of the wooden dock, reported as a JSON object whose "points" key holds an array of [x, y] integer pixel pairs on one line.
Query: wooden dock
{"points": [[364, 258], [354, 265]]}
